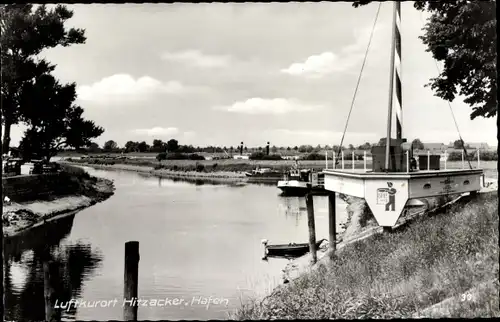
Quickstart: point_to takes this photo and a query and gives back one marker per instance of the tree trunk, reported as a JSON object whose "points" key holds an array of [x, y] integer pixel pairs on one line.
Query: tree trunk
{"points": [[6, 137]]}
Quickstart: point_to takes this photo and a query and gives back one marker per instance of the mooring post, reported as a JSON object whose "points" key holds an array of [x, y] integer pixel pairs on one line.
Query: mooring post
{"points": [[353, 160], [326, 159], [332, 223], [428, 160], [342, 155], [478, 159], [131, 280], [264, 242], [50, 290], [364, 158], [312, 229]]}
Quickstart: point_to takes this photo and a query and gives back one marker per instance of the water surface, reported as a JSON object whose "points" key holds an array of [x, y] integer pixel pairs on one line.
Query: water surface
{"points": [[196, 240]]}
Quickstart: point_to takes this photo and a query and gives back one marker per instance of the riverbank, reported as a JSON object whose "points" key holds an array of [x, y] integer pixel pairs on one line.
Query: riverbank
{"points": [[235, 167], [86, 191], [219, 176], [232, 168], [403, 274]]}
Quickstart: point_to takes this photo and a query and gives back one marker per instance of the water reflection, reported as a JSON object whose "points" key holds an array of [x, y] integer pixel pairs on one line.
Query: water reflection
{"points": [[24, 275]]}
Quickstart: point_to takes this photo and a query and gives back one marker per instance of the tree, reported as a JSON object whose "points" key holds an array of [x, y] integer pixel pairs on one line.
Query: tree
{"points": [[295, 148], [462, 34], [53, 121], [94, 147], [351, 147], [158, 146], [365, 146], [131, 146], [172, 145], [110, 146], [41, 29], [458, 144], [417, 144], [288, 148], [143, 146]]}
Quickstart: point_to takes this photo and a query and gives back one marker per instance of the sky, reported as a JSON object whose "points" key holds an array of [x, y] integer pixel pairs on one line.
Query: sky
{"points": [[221, 73]]}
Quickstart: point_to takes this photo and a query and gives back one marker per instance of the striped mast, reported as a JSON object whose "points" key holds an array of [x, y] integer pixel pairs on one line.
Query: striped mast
{"points": [[395, 74]]}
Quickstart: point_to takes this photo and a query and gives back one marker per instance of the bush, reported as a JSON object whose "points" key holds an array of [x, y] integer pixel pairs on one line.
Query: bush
{"points": [[314, 156], [182, 156], [200, 168], [472, 156], [195, 156], [74, 171], [263, 156], [161, 156]]}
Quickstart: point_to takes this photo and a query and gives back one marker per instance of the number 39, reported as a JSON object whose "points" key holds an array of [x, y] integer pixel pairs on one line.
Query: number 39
{"points": [[466, 296]]}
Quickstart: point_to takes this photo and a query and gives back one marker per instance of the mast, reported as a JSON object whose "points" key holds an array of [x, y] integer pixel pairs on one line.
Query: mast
{"points": [[395, 73]]}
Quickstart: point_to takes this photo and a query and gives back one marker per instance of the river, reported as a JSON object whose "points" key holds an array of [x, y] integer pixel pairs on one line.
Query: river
{"points": [[196, 241]]}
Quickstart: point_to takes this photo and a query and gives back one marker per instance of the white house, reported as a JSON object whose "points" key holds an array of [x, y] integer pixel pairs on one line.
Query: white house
{"points": [[241, 157]]}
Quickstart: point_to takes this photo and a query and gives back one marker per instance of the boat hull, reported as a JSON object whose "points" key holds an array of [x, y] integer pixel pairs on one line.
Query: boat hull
{"points": [[294, 187], [290, 250]]}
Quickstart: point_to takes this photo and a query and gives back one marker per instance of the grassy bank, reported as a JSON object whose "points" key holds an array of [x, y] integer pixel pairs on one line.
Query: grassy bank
{"points": [[85, 191], [444, 257]]}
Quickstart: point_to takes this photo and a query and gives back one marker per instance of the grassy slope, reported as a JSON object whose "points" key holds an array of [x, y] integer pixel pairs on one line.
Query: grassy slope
{"points": [[401, 274]]}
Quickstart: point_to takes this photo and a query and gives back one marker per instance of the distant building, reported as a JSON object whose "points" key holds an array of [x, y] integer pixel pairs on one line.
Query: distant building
{"points": [[241, 157], [482, 146], [291, 157]]}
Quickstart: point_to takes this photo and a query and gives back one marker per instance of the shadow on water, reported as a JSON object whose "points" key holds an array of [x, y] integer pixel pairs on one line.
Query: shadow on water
{"points": [[24, 275]]}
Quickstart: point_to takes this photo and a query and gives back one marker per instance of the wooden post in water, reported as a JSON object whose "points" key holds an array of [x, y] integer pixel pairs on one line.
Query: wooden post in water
{"points": [[50, 289], [131, 280], [312, 228], [332, 224]]}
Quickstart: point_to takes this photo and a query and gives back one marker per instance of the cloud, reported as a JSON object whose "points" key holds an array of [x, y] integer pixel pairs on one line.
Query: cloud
{"points": [[317, 66], [157, 131], [123, 87], [197, 59], [268, 106]]}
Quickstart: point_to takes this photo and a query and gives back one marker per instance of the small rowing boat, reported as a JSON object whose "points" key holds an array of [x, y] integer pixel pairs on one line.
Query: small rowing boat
{"points": [[289, 250]]}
